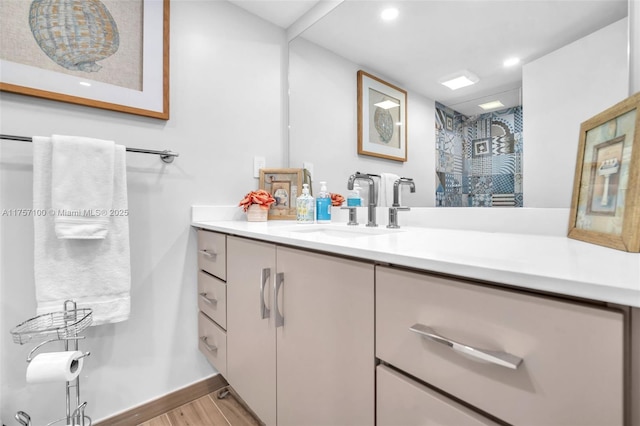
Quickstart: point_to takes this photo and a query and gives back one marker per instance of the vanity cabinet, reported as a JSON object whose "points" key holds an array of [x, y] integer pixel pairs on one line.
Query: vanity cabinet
{"points": [[300, 334], [549, 361], [212, 298]]}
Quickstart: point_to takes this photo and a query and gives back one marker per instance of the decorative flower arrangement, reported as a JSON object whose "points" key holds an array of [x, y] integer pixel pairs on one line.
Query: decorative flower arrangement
{"points": [[260, 197], [336, 199]]}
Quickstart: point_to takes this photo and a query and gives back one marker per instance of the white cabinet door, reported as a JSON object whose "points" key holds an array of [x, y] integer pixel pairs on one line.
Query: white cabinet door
{"points": [[251, 342], [326, 371]]}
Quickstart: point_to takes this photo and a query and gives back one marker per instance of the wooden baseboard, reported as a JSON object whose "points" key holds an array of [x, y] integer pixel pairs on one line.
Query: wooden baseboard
{"points": [[165, 403]]}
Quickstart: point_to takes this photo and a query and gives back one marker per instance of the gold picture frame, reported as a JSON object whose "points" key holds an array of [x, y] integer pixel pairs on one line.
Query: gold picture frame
{"points": [[284, 185], [605, 205], [382, 118], [120, 63]]}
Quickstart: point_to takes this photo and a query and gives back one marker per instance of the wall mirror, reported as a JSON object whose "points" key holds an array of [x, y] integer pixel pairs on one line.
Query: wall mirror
{"points": [[428, 42]]}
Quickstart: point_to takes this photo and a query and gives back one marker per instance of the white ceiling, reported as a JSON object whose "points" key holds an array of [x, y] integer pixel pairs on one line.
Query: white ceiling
{"points": [[283, 13], [435, 38]]}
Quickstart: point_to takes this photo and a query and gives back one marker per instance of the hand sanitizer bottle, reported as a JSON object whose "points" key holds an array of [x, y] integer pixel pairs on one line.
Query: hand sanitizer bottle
{"points": [[323, 204], [305, 206]]}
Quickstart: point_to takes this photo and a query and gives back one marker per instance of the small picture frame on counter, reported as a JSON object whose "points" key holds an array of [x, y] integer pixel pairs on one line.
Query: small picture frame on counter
{"points": [[605, 206], [284, 185]]}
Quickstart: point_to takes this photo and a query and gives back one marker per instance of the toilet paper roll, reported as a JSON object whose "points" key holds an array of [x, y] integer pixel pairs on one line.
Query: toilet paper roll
{"points": [[55, 367]]}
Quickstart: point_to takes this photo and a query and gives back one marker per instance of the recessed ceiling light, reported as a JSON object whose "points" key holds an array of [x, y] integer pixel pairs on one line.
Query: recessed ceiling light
{"points": [[459, 80], [491, 105], [389, 14], [511, 62], [387, 104]]}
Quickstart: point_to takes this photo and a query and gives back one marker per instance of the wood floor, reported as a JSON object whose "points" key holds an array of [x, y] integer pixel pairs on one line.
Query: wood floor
{"points": [[206, 411]]}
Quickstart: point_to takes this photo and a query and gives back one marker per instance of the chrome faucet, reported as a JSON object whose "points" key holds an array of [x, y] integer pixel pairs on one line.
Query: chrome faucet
{"points": [[373, 197], [393, 210]]}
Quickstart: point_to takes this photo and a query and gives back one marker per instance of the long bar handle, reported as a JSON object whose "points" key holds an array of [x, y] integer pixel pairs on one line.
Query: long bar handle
{"points": [[264, 278], [276, 288], [495, 357], [208, 253], [209, 300], [209, 347]]}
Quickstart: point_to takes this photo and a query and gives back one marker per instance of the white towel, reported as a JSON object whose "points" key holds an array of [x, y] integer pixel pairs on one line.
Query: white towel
{"points": [[82, 186], [385, 197], [95, 273]]}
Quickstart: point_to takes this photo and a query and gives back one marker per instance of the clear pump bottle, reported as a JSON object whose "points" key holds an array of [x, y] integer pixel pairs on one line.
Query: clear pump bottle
{"points": [[305, 206]]}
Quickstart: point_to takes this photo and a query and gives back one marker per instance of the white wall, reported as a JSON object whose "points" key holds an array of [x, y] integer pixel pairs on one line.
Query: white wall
{"points": [[560, 91], [226, 107], [323, 125]]}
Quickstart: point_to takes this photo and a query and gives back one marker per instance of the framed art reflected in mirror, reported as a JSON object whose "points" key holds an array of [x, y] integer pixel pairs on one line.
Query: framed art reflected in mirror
{"points": [[382, 118]]}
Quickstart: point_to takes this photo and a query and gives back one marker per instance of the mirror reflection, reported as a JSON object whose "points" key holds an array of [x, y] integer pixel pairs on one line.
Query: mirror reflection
{"points": [[571, 64]]}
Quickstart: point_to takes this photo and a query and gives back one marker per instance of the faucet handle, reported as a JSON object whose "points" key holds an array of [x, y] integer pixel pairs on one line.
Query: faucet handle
{"points": [[353, 214]]}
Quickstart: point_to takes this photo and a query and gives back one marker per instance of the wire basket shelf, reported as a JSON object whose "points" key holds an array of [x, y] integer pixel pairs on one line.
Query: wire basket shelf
{"points": [[55, 325]]}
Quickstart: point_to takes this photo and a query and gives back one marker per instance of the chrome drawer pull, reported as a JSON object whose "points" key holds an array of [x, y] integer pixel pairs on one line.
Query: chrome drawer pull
{"points": [[264, 278], [209, 347], [208, 253], [495, 357], [207, 299]]}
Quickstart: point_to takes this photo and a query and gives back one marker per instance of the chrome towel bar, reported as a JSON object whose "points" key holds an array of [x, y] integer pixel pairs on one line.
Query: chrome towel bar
{"points": [[166, 155]]}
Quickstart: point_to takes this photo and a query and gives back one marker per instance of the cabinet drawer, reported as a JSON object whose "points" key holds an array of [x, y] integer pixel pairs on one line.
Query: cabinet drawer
{"points": [[572, 354], [212, 298], [212, 253], [212, 342], [403, 401]]}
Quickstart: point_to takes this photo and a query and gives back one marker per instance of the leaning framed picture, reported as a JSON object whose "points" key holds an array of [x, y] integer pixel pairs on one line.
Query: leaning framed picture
{"points": [[108, 54], [605, 206], [382, 118], [284, 185]]}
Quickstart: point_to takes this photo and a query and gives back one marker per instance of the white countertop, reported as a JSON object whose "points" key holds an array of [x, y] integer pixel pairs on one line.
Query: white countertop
{"points": [[551, 263]]}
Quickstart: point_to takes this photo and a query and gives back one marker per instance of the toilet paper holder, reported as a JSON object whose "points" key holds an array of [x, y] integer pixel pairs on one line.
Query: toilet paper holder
{"points": [[62, 326]]}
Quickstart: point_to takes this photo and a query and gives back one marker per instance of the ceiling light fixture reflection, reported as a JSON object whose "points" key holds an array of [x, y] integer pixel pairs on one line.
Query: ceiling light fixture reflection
{"points": [[511, 62], [387, 104], [459, 80], [389, 14], [84, 83], [491, 105]]}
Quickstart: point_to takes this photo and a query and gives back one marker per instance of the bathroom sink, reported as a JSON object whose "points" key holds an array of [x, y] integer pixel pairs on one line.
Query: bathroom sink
{"points": [[341, 231]]}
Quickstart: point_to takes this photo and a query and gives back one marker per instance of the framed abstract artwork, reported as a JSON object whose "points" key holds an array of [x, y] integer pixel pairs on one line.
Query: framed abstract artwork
{"points": [[108, 54], [605, 206], [382, 118]]}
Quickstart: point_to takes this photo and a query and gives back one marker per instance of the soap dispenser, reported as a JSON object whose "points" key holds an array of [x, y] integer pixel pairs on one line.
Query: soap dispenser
{"points": [[305, 206], [353, 198], [323, 204]]}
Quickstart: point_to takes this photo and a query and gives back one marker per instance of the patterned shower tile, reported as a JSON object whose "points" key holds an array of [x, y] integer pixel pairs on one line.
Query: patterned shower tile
{"points": [[503, 200], [503, 184], [517, 183], [502, 144], [518, 163], [481, 200], [519, 200], [466, 184], [503, 164], [481, 147], [518, 142], [481, 166], [481, 185]]}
